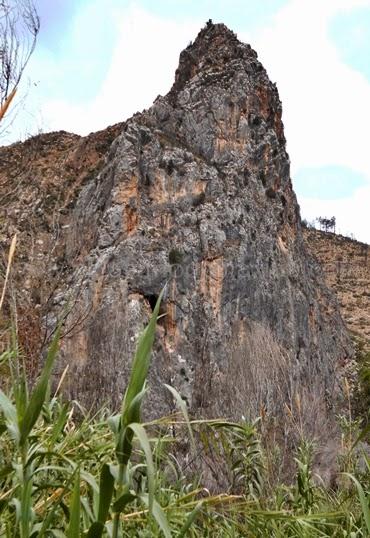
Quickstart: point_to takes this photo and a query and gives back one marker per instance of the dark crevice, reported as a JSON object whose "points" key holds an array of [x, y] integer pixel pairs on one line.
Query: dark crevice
{"points": [[152, 300]]}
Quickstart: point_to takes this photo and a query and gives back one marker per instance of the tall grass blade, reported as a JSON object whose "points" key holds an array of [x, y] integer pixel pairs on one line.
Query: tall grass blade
{"points": [[105, 497], [59, 424], [10, 414], [75, 510], [159, 516], [10, 256], [105, 492], [26, 513], [182, 405], [364, 500], [190, 520], [123, 501], [38, 395], [125, 435], [142, 437], [140, 365]]}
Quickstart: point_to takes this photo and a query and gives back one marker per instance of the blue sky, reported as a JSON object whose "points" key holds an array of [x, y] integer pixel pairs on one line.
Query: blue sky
{"points": [[350, 32], [320, 181], [99, 61]]}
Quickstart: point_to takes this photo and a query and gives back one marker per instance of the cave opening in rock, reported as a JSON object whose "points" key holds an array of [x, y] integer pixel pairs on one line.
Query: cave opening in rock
{"points": [[152, 300]]}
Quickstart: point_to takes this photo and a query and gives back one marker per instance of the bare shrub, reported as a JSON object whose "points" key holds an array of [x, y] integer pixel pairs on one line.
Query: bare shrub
{"points": [[19, 27]]}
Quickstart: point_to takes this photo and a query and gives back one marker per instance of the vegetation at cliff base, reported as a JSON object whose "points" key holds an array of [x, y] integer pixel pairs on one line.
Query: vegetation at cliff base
{"points": [[64, 473]]}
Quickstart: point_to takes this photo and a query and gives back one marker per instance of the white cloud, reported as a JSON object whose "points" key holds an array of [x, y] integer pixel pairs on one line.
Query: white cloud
{"points": [[144, 59], [326, 104], [142, 66]]}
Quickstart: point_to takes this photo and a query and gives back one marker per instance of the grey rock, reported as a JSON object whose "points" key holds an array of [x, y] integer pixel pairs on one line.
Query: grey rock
{"points": [[202, 179], [195, 195]]}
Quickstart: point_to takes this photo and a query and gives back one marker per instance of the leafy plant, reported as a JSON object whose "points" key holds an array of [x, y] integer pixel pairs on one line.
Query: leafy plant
{"points": [[175, 256], [305, 490], [116, 476]]}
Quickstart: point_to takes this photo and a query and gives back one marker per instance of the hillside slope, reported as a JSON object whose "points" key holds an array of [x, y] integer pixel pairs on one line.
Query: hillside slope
{"points": [[346, 265]]}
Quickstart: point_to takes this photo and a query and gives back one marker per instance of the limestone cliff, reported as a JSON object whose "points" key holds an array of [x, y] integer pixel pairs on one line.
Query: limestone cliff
{"points": [[346, 266], [195, 194]]}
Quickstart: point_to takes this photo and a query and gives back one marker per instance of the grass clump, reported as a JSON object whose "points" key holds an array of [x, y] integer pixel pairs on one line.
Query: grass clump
{"points": [[175, 256], [115, 476]]}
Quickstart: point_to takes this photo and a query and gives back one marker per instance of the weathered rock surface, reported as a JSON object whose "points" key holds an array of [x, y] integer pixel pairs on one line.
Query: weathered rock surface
{"points": [[195, 193], [346, 265], [39, 182]]}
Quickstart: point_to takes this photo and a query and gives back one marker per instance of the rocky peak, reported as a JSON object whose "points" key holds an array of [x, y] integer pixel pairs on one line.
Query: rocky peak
{"points": [[215, 50], [195, 194], [218, 60]]}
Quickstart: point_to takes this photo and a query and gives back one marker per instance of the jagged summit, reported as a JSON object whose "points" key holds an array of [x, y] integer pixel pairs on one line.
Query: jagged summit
{"points": [[216, 49], [223, 104]]}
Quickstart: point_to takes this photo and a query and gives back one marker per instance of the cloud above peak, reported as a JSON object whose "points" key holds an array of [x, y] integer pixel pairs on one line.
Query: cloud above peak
{"points": [[137, 67], [326, 109]]}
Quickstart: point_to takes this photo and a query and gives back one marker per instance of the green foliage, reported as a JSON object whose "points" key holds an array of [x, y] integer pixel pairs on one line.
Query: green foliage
{"points": [[46, 489], [238, 445], [364, 376], [364, 498], [116, 476], [73, 530], [305, 489], [362, 390], [175, 256]]}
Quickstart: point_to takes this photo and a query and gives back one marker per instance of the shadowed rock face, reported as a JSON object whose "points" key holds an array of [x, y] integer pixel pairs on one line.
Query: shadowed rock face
{"points": [[195, 193]]}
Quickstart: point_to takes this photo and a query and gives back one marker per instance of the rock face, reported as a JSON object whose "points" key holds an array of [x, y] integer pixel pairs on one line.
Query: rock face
{"points": [[39, 182], [346, 265], [195, 195]]}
